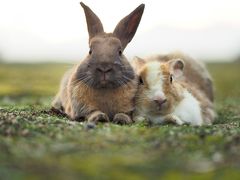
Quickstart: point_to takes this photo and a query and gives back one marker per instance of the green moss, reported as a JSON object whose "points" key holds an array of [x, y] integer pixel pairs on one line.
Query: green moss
{"points": [[35, 144]]}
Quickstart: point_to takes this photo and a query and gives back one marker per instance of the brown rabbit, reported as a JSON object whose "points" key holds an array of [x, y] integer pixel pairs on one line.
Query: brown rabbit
{"points": [[102, 87]]}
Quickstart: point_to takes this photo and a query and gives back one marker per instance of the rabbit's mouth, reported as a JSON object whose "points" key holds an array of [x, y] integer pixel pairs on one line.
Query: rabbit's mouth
{"points": [[105, 85], [159, 110]]}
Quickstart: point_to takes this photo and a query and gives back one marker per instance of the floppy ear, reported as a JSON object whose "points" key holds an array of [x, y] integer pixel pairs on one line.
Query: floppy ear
{"points": [[176, 67], [137, 63], [127, 27], [93, 22]]}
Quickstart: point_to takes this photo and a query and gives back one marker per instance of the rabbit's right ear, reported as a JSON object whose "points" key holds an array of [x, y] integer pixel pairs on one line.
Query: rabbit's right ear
{"points": [[176, 67], [93, 22], [127, 27]]}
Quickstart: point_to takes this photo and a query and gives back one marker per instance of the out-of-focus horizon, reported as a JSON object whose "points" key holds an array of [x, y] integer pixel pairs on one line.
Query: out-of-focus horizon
{"points": [[35, 31]]}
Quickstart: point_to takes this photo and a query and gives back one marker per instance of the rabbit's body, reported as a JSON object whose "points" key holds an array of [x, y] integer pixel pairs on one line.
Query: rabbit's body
{"points": [[78, 96], [61, 99], [188, 110], [164, 95], [103, 86]]}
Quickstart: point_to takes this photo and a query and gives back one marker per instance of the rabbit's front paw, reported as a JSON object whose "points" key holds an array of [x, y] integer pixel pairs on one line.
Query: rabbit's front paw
{"points": [[76, 117], [122, 118], [98, 116], [173, 119]]}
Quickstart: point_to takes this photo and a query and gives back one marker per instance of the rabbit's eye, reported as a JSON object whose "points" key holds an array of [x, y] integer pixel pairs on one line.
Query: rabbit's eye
{"points": [[141, 80], [120, 52], [171, 78], [90, 52]]}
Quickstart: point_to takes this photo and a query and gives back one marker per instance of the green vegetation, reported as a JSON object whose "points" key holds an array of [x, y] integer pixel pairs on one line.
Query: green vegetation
{"points": [[37, 144]]}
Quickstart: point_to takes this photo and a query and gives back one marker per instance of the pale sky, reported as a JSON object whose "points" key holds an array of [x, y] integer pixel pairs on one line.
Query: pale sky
{"points": [[41, 30]]}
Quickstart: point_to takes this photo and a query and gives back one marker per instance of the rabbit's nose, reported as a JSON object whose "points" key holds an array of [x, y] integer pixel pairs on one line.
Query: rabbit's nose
{"points": [[104, 69], [160, 101]]}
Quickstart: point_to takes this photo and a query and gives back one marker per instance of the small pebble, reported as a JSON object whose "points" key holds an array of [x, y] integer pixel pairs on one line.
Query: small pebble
{"points": [[90, 125]]}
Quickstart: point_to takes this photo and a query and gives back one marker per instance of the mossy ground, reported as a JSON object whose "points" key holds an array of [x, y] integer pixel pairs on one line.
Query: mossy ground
{"points": [[36, 144]]}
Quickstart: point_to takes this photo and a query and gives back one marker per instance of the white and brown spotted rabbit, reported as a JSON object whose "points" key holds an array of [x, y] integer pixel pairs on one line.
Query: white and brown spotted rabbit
{"points": [[172, 90], [102, 87]]}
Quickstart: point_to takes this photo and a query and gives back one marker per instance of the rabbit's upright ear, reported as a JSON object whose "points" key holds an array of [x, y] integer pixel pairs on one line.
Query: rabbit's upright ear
{"points": [[127, 27], [176, 67], [93, 22]]}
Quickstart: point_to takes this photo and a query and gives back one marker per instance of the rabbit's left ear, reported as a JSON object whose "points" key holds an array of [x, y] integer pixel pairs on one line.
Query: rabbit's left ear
{"points": [[137, 63], [127, 27], [176, 67], [94, 24]]}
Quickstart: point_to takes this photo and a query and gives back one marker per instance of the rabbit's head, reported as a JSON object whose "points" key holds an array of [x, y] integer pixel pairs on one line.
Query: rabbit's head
{"points": [[159, 85], [105, 65]]}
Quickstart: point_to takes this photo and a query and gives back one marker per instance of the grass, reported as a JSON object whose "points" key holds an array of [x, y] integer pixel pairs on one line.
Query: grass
{"points": [[35, 144]]}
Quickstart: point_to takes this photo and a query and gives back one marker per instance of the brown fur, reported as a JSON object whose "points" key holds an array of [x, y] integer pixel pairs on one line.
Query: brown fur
{"points": [[103, 86], [143, 75], [171, 90], [109, 101]]}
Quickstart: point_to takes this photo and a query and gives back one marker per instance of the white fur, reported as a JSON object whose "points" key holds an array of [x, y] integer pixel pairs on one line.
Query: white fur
{"points": [[154, 79], [189, 110]]}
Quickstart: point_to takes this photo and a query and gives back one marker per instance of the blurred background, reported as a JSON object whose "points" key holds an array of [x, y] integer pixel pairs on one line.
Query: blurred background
{"points": [[47, 32]]}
